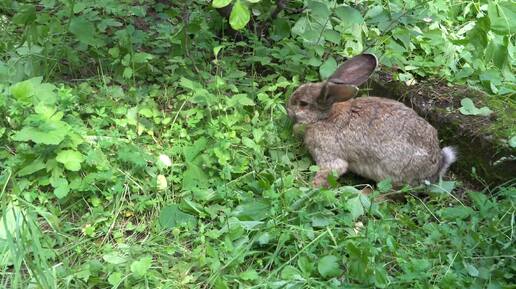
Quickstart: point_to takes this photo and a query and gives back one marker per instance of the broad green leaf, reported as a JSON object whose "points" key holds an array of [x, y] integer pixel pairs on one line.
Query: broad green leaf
{"points": [[381, 278], [252, 210], [128, 72], [469, 108], [332, 36], [443, 187], [290, 273], [249, 275], [114, 258], [26, 13], [70, 159], [194, 177], [455, 213], [239, 16], [355, 207], [24, 90], [328, 267], [171, 217], [114, 279], [12, 221], [349, 15], [31, 168], [328, 68], [384, 186], [141, 267], [191, 152], [83, 29], [300, 26], [502, 16], [50, 133], [220, 3], [61, 187], [240, 99], [472, 270]]}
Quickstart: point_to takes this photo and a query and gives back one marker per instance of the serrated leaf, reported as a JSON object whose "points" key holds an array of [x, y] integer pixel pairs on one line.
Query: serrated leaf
{"points": [[328, 267], [220, 3], [70, 159], [239, 16]]}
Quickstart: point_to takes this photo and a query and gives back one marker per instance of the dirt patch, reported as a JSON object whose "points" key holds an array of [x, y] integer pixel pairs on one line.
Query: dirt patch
{"points": [[484, 156]]}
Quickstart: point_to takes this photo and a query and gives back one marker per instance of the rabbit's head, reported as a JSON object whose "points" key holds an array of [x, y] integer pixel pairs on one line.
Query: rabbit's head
{"points": [[312, 102]]}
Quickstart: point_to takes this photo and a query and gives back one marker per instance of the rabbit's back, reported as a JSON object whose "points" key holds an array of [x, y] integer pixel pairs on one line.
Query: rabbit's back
{"points": [[382, 138]]}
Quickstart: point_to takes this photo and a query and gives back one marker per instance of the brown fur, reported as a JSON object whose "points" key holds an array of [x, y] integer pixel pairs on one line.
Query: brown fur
{"points": [[373, 137]]}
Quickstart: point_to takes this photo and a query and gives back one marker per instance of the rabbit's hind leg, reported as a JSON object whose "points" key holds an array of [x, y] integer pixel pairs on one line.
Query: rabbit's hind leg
{"points": [[337, 165]]}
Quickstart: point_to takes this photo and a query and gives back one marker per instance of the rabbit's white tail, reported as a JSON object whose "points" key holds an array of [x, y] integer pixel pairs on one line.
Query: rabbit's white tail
{"points": [[449, 157]]}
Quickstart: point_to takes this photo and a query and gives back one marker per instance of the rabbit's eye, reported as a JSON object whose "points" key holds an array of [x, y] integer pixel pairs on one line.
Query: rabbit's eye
{"points": [[303, 103]]}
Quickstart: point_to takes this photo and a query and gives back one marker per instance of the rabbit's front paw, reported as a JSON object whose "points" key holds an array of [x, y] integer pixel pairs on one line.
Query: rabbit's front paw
{"points": [[320, 181]]}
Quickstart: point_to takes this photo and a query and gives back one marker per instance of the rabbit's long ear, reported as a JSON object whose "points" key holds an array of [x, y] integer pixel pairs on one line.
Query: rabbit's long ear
{"points": [[355, 70], [334, 92]]}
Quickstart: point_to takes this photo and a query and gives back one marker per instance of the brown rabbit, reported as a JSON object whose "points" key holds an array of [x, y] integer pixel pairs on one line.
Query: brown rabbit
{"points": [[374, 137]]}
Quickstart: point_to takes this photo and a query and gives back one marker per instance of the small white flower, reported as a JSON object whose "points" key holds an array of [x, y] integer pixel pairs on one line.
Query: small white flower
{"points": [[164, 160], [161, 183]]}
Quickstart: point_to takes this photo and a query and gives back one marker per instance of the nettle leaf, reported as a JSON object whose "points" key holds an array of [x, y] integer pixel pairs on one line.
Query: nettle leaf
{"points": [[328, 267], [83, 29], [220, 3], [239, 16], [70, 159], [328, 68], [171, 217], [469, 108]]}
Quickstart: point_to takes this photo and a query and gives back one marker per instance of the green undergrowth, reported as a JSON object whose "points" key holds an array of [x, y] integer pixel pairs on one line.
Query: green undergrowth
{"points": [[145, 146]]}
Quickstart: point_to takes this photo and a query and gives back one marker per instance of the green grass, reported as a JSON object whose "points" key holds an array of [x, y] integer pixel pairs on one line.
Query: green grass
{"points": [[143, 152]]}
